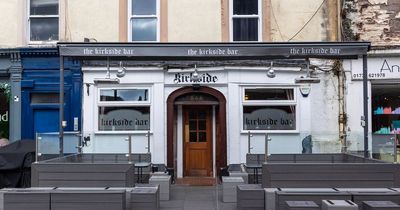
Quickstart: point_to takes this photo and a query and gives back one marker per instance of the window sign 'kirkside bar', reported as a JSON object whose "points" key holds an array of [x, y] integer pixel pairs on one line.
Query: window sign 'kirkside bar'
{"points": [[216, 51]]}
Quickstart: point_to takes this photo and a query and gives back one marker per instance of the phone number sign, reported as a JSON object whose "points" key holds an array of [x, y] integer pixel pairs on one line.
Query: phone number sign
{"points": [[382, 68]]}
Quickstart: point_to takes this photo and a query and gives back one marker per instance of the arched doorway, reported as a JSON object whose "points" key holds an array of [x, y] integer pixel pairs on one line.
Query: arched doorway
{"points": [[201, 115]]}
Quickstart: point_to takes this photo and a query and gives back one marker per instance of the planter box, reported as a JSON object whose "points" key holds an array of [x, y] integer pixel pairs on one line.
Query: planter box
{"points": [[88, 199], [328, 170], [84, 170]]}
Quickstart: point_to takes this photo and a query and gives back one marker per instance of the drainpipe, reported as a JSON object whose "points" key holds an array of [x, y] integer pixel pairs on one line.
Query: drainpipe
{"points": [[342, 105], [339, 20]]}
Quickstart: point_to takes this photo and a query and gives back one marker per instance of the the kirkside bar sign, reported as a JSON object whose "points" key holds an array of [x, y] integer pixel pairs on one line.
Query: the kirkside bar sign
{"points": [[226, 50]]}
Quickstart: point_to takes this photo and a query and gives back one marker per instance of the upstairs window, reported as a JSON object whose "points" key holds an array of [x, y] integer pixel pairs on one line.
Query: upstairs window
{"points": [[245, 20], [143, 20], [43, 20]]}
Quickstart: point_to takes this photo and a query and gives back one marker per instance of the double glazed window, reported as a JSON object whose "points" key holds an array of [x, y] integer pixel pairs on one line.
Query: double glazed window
{"points": [[245, 20], [269, 109], [123, 109], [143, 20], [43, 20]]}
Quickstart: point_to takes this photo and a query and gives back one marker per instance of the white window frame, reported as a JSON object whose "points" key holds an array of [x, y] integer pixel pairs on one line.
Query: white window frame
{"points": [[28, 31], [123, 104], [293, 102], [130, 17], [258, 16]]}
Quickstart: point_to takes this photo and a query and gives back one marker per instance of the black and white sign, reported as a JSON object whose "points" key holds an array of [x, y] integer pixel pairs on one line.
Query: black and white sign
{"points": [[205, 50], [124, 119], [269, 118], [378, 68]]}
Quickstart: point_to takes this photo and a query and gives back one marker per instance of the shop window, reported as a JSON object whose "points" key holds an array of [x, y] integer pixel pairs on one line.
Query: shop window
{"points": [[144, 21], [386, 109], [124, 95], [124, 109], [43, 20], [269, 109], [268, 94], [246, 20]]}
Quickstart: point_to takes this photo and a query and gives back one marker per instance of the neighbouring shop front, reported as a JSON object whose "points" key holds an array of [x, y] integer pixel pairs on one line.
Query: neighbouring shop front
{"points": [[10, 91], [384, 103], [199, 107], [40, 92]]}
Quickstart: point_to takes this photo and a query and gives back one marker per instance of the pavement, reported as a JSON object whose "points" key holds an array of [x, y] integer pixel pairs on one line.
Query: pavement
{"points": [[185, 197]]}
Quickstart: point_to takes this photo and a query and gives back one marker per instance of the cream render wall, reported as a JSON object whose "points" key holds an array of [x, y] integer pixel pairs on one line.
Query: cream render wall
{"points": [[194, 21], [11, 19], [98, 19], [289, 16]]}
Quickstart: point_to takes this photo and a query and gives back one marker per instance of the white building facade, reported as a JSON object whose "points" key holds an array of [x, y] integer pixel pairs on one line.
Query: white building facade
{"points": [[202, 113]]}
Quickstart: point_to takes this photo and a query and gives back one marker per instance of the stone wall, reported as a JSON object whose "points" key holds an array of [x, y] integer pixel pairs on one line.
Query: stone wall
{"points": [[377, 21]]}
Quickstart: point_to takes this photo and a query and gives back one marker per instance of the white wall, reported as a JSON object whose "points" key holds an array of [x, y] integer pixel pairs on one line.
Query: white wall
{"points": [[97, 19], [102, 142], [194, 21], [289, 16], [11, 23], [316, 115]]}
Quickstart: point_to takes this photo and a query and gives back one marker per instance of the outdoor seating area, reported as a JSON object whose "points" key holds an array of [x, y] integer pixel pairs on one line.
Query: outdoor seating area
{"points": [[285, 181]]}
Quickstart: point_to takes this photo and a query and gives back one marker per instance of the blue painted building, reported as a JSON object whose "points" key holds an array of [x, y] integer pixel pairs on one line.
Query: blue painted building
{"points": [[40, 92]]}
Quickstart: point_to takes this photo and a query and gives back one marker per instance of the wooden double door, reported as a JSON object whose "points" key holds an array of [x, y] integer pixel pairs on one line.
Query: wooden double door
{"points": [[197, 140]]}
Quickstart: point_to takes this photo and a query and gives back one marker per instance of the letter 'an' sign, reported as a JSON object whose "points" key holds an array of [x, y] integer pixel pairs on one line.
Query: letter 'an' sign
{"points": [[378, 68]]}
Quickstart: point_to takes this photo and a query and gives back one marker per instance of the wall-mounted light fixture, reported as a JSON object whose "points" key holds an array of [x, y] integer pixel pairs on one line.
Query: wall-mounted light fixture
{"points": [[121, 70], [195, 78], [307, 78], [271, 71], [86, 39], [107, 79]]}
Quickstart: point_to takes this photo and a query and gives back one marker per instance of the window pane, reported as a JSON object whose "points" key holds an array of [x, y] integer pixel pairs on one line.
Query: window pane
{"points": [[44, 29], [192, 115], [45, 98], [124, 95], [245, 7], [193, 137], [192, 125], [144, 7], [202, 114], [124, 118], [268, 94], [144, 29], [245, 29], [269, 117], [202, 137], [44, 7], [202, 125]]}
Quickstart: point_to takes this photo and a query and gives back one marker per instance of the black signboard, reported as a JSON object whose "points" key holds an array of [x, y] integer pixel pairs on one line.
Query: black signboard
{"points": [[175, 51]]}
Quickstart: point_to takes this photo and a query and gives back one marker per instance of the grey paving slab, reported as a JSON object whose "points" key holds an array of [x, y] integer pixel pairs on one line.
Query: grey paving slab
{"points": [[196, 198], [199, 205], [172, 204]]}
